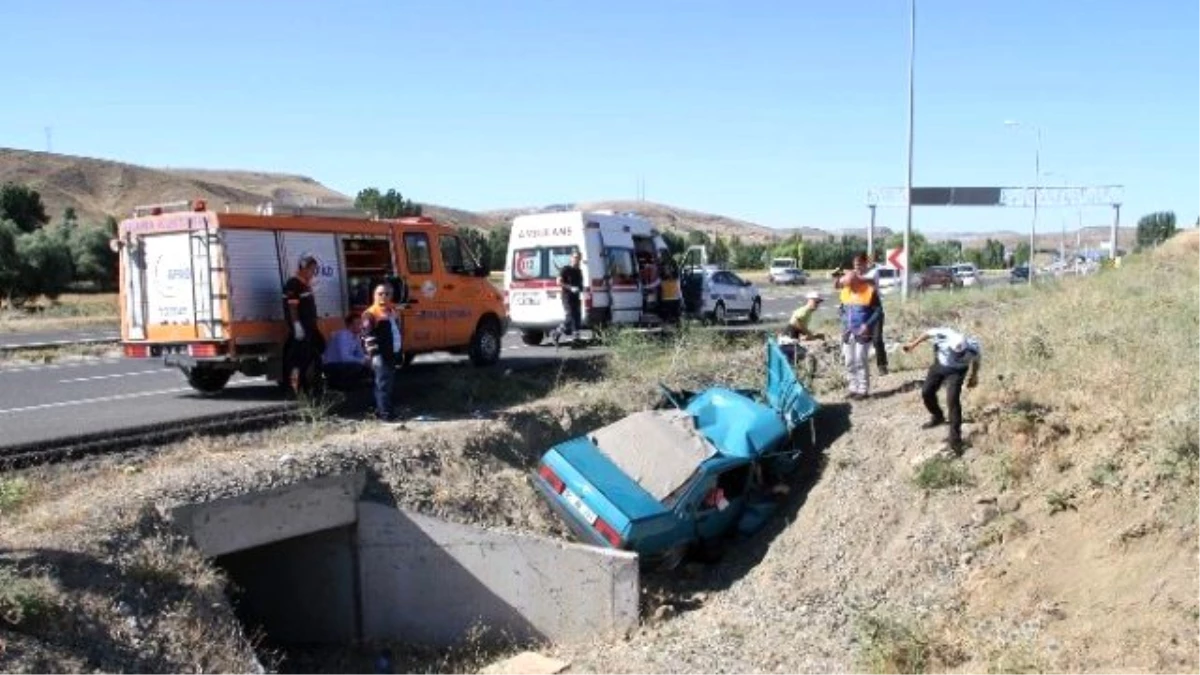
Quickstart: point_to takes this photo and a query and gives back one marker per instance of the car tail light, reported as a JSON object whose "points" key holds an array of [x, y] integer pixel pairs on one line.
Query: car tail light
{"points": [[137, 351], [550, 477], [204, 349], [609, 533]]}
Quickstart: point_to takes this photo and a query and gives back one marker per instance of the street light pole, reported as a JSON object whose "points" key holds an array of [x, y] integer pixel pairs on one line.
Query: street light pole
{"points": [[912, 51], [1037, 187]]}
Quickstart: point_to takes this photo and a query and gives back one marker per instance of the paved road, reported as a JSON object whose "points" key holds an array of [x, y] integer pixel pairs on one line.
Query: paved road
{"points": [[45, 402]]}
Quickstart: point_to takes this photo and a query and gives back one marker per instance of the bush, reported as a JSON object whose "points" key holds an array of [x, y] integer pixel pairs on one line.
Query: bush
{"points": [[45, 265], [92, 257]]}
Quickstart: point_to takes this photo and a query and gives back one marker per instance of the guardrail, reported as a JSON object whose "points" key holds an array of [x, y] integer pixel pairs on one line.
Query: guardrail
{"points": [[54, 344]]}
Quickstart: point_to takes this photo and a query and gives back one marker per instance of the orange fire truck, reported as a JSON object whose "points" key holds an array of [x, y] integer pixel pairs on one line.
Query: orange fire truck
{"points": [[204, 290]]}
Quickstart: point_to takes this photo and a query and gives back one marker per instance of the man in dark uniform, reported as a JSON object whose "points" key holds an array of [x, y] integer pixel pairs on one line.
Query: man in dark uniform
{"points": [[305, 343], [570, 283]]}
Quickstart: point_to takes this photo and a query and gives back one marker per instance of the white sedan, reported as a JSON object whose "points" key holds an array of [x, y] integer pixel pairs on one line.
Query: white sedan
{"points": [[724, 296]]}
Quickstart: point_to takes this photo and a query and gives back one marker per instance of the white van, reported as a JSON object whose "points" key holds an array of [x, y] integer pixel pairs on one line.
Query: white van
{"points": [[610, 245]]}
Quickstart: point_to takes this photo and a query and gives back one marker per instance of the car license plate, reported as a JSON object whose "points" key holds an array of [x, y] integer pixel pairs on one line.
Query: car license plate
{"points": [[577, 504], [526, 299]]}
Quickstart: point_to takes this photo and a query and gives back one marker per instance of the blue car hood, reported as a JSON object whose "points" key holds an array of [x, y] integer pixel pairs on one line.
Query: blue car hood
{"points": [[784, 392], [737, 425]]}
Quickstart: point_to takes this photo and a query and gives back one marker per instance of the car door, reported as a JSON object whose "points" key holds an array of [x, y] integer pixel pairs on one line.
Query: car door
{"points": [[743, 293], [424, 327], [720, 504], [454, 300]]}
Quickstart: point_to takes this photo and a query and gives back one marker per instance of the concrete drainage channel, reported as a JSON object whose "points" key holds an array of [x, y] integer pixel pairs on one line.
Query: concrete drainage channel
{"points": [[317, 564]]}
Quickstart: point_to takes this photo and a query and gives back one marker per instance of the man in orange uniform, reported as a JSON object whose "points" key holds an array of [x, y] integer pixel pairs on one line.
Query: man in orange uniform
{"points": [[861, 312], [382, 338]]}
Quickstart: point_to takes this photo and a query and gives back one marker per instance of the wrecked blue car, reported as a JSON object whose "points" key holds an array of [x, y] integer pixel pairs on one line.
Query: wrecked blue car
{"points": [[664, 482]]}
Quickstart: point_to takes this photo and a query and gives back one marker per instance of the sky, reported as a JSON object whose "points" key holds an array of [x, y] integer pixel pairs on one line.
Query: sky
{"points": [[780, 113]]}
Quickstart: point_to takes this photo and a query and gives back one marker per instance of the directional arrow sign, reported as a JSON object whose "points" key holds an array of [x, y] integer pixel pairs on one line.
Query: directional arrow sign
{"points": [[898, 258]]}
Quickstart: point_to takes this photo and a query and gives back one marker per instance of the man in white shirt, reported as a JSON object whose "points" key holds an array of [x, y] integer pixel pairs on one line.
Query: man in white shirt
{"points": [[956, 356], [346, 365]]}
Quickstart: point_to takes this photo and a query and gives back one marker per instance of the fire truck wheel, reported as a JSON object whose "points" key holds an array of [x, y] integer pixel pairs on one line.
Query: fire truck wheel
{"points": [[485, 343], [208, 380]]}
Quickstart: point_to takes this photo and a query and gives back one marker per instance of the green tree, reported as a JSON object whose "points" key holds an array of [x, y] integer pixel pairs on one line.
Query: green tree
{"points": [[497, 239], [46, 267], [10, 261], [1021, 254], [698, 238], [675, 242], [1155, 228], [718, 253], [92, 258], [70, 218], [476, 242], [386, 205], [111, 225], [23, 206]]}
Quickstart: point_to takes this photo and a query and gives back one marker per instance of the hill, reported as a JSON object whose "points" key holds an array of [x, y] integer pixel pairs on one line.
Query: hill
{"points": [[97, 188]]}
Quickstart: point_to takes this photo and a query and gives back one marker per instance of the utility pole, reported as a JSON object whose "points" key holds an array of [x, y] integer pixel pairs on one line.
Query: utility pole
{"points": [[912, 51], [1116, 224], [871, 235]]}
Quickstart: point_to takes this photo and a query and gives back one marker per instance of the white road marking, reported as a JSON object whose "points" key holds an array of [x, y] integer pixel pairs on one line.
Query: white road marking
{"points": [[119, 397], [116, 375], [100, 399]]}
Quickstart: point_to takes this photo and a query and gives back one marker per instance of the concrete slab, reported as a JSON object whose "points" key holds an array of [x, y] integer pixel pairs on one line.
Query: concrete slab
{"points": [[430, 581], [526, 663], [239, 523]]}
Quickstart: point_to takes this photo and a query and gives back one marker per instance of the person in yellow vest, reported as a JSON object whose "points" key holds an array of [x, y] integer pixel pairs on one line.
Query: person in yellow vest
{"points": [[861, 311], [383, 342], [670, 306]]}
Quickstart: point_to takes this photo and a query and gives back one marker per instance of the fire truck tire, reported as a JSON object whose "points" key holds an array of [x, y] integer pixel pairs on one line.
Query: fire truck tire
{"points": [[485, 343], [208, 380]]}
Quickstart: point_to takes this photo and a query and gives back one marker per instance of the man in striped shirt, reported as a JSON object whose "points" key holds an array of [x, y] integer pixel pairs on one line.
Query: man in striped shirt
{"points": [[956, 356]]}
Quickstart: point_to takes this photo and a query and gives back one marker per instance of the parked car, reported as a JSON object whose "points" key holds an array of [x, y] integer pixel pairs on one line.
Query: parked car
{"points": [[938, 277], [967, 273], [717, 295], [662, 482], [1018, 274]]}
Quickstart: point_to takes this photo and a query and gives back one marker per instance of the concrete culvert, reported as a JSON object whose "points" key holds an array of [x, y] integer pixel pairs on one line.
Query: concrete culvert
{"points": [[315, 566]]}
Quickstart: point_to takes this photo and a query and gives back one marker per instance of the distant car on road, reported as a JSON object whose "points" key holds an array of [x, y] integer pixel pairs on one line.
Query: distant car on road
{"points": [[938, 277], [887, 278], [967, 273], [687, 475], [1018, 274], [785, 271], [789, 276]]}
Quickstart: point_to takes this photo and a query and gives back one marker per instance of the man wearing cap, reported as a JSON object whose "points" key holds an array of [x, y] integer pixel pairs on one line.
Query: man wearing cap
{"points": [[305, 343], [797, 327], [955, 356]]}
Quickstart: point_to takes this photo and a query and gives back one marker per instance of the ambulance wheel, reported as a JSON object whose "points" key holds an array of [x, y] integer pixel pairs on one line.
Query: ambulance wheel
{"points": [[485, 343], [532, 338], [756, 311], [208, 380]]}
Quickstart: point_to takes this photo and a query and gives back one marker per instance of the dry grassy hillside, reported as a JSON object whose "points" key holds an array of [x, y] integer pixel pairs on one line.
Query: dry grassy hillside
{"points": [[96, 188]]}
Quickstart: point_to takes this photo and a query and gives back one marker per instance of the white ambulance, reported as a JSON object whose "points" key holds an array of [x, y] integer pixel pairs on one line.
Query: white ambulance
{"points": [[616, 249]]}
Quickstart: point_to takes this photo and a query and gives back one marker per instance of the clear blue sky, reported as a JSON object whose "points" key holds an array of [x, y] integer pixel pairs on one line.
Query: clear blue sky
{"points": [[782, 113]]}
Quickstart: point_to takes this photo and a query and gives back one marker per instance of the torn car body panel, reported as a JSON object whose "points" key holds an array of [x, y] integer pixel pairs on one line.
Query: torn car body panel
{"points": [[660, 481]]}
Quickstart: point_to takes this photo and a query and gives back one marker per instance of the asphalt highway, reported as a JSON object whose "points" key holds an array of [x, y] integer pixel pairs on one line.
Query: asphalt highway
{"points": [[44, 402]]}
